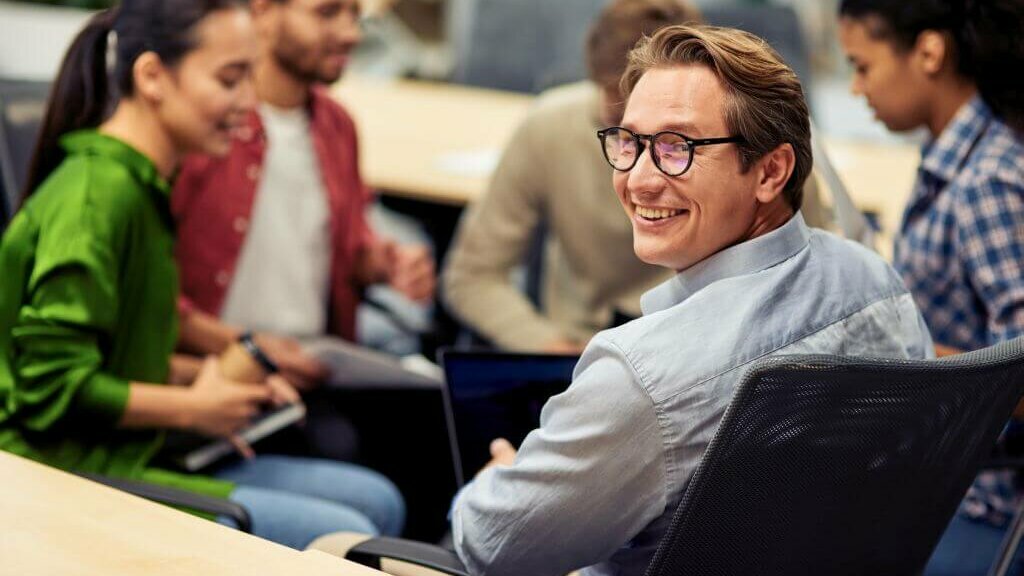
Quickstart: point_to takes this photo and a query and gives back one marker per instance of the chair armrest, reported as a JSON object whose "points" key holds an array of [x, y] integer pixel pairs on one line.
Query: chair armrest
{"points": [[370, 552], [177, 497], [1007, 553]]}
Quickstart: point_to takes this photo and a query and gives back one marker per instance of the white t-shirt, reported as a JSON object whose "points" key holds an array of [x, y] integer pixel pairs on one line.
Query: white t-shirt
{"points": [[282, 280]]}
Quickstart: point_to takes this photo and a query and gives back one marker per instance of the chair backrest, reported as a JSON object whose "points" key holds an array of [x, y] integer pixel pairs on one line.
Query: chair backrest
{"points": [[22, 105], [532, 45], [778, 25], [521, 45], [841, 466]]}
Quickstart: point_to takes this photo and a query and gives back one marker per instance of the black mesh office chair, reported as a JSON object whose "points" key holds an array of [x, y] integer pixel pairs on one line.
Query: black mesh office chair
{"points": [[827, 465]]}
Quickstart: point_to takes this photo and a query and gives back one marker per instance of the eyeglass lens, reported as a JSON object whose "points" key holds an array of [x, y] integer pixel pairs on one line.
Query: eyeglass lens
{"points": [[671, 150]]}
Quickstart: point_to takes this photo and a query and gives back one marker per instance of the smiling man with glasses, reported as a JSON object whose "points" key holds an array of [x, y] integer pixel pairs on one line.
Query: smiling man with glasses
{"points": [[710, 160]]}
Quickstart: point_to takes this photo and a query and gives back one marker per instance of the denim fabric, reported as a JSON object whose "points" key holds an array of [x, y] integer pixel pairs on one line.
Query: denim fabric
{"points": [[293, 501]]}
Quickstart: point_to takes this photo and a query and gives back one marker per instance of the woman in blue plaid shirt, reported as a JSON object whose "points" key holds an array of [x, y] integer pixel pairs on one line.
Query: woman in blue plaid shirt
{"points": [[955, 68]]}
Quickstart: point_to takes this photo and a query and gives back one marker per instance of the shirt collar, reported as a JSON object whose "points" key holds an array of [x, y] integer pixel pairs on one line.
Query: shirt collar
{"points": [[748, 257], [315, 107], [944, 156], [92, 142]]}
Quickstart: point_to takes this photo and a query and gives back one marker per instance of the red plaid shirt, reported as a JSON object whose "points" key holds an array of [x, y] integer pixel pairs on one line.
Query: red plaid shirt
{"points": [[213, 199]]}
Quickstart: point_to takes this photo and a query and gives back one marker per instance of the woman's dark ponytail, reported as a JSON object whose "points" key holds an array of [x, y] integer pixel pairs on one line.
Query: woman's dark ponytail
{"points": [[79, 97], [88, 86], [993, 50]]}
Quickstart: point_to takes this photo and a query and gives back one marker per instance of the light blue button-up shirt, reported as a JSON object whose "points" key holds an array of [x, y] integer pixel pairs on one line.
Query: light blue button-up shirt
{"points": [[596, 485]]}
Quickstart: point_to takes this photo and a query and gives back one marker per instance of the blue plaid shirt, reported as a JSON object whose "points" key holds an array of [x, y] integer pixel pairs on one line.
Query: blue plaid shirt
{"points": [[961, 247], [961, 253]]}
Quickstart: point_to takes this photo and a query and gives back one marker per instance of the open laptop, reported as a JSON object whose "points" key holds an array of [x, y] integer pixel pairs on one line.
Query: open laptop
{"points": [[490, 395]]}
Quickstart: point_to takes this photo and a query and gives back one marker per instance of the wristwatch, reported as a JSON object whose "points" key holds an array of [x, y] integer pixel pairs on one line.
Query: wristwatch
{"points": [[249, 343]]}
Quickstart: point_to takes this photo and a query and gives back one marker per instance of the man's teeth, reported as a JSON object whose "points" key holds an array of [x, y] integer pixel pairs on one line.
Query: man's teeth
{"points": [[656, 213]]}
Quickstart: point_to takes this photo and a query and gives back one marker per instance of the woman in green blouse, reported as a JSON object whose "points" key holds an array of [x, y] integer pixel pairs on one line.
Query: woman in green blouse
{"points": [[88, 284]]}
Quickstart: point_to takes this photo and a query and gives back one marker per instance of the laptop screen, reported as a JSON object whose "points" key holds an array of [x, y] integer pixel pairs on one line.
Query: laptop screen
{"points": [[497, 395]]}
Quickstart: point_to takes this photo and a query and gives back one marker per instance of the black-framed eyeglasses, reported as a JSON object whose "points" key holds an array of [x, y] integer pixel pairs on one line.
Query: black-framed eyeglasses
{"points": [[672, 152]]}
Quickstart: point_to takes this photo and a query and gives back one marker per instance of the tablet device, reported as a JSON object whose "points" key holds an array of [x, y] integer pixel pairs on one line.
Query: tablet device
{"points": [[356, 367], [205, 452]]}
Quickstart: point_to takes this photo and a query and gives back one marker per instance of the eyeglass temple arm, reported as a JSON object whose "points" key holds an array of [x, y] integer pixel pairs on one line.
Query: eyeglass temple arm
{"points": [[707, 141]]}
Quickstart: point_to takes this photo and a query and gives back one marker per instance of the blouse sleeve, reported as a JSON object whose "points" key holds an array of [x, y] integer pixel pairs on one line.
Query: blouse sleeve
{"points": [[67, 320]]}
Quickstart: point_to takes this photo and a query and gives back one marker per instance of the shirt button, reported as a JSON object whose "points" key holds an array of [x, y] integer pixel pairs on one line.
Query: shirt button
{"points": [[253, 172], [241, 225], [222, 279]]}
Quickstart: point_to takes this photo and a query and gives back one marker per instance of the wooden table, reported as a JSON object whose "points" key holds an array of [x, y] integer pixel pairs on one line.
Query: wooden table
{"points": [[438, 143], [430, 141], [879, 177], [54, 523]]}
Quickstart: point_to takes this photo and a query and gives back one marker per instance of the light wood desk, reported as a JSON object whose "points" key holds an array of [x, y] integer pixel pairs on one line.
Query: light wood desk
{"points": [[430, 141], [54, 523], [879, 177], [438, 143]]}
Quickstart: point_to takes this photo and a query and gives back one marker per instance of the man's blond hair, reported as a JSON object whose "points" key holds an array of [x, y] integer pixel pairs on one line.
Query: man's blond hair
{"points": [[765, 103]]}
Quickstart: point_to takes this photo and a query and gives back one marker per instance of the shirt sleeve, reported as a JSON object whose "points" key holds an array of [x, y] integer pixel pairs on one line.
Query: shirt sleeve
{"points": [[66, 322], [990, 235], [359, 235], [582, 486], [493, 239]]}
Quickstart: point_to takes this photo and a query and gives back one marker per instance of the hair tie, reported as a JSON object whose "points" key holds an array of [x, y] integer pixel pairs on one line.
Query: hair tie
{"points": [[111, 57]]}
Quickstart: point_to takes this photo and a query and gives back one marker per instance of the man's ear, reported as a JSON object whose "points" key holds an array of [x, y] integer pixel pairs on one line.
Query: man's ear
{"points": [[774, 170]]}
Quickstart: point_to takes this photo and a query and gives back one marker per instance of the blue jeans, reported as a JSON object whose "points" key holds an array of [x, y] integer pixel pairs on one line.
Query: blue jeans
{"points": [[293, 501], [968, 549]]}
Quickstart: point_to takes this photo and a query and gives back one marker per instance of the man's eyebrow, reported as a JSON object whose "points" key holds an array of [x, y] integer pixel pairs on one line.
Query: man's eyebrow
{"points": [[685, 128]]}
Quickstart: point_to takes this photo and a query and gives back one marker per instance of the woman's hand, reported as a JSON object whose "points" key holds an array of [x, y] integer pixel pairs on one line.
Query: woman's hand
{"points": [[219, 407], [281, 391], [300, 369], [184, 369]]}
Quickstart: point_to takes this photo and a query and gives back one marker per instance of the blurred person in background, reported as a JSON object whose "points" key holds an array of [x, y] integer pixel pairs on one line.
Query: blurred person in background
{"points": [[90, 286], [953, 68], [273, 236]]}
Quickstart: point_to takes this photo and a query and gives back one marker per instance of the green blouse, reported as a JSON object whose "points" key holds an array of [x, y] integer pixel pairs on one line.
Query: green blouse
{"points": [[88, 304]]}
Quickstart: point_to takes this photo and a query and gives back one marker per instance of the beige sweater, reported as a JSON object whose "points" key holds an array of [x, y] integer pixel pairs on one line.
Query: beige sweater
{"points": [[553, 172]]}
